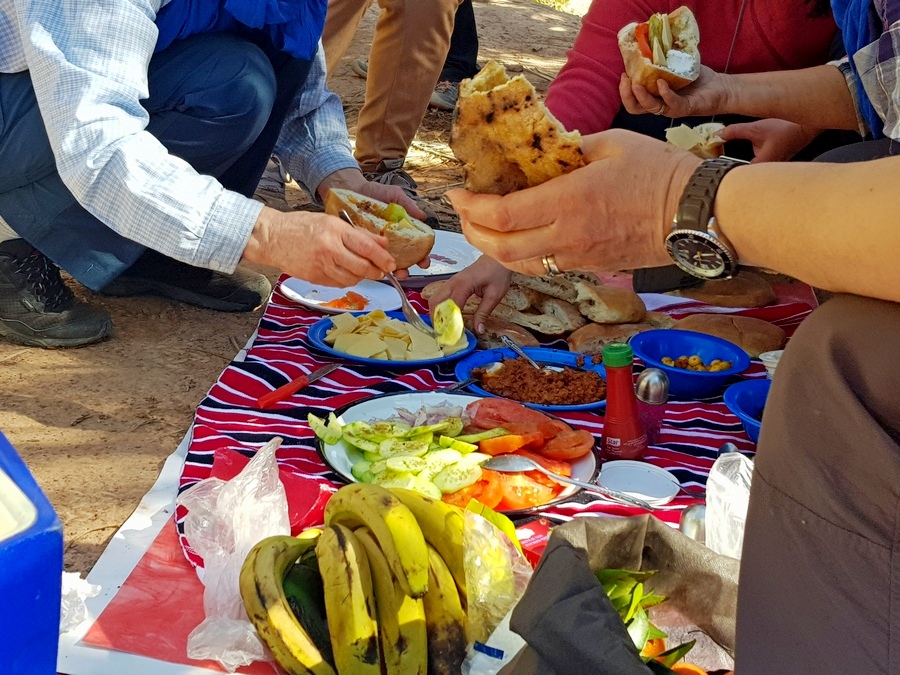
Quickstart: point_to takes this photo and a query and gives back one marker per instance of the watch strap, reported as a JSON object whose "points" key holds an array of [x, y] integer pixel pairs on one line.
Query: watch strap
{"points": [[696, 204]]}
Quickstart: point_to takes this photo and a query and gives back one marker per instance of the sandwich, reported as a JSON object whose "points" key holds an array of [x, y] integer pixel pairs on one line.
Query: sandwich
{"points": [[701, 139], [664, 47], [409, 240], [506, 137]]}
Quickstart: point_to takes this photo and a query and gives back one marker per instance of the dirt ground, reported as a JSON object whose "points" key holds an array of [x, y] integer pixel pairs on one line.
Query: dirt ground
{"points": [[95, 424]]}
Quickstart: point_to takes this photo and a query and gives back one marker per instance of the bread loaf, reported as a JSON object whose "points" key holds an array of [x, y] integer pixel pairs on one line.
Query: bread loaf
{"points": [[494, 327], [609, 304], [745, 289], [591, 338], [754, 336]]}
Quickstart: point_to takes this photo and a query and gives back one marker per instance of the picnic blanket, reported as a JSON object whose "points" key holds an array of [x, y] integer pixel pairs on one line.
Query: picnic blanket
{"points": [[229, 428]]}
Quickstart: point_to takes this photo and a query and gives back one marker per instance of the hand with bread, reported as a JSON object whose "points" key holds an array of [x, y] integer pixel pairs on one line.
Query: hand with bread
{"points": [[612, 214], [772, 140], [318, 248], [705, 97], [485, 278]]}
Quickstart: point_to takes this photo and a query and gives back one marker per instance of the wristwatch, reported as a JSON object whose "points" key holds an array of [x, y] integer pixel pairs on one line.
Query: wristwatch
{"points": [[696, 243]]}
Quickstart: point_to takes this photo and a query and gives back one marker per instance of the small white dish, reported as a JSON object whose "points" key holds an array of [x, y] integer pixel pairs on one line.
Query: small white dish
{"points": [[645, 481], [770, 361], [377, 295], [451, 254]]}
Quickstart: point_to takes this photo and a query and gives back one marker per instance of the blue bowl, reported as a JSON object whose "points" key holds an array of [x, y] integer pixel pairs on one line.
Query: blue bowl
{"points": [[746, 399], [653, 345]]}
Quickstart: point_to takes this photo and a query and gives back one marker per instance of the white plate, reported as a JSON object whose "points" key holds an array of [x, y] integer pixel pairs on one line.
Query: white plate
{"points": [[304, 293], [341, 456], [451, 254], [639, 479]]}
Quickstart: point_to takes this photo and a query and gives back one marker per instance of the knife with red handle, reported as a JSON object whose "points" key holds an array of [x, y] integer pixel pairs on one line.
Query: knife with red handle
{"points": [[295, 385]]}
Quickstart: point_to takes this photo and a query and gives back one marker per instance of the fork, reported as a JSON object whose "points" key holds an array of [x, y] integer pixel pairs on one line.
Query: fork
{"points": [[405, 306]]}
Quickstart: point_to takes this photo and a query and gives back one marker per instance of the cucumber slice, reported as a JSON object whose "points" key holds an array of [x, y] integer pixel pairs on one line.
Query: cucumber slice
{"points": [[360, 442], [330, 432], [371, 457], [386, 429], [361, 471], [482, 435], [456, 444], [437, 460], [394, 447], [394, 213], [405, 464], [457, 476], [455, 428], [427, 488], [395, 479]]}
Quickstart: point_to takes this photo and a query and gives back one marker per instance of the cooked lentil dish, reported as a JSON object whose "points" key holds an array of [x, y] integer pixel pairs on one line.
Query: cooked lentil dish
{"points": [[520, 381]]}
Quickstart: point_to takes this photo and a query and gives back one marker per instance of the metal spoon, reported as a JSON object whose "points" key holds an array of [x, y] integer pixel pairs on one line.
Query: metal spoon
{"points": [[517, 464], [512, 344], [405, 306]]}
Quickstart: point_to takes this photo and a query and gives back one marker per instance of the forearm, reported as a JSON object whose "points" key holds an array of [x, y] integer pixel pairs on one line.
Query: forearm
{"points": [[816, 97], [830, 225]]}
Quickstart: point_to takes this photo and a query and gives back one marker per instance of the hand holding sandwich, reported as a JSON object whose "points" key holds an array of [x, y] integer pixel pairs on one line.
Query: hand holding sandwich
{"points": [[705, 97], [595, 218]]}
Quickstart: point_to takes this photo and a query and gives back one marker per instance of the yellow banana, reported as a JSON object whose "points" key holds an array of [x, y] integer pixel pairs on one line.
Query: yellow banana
{"points": [[444, 619], [401, 619], [443, 526], [349, 602], [261, 590], [395, 528]]}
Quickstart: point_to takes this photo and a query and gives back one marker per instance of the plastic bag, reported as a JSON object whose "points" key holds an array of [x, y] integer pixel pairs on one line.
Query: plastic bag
{"points": [[496, 576], [727, 498], [75, 591], [225, 520]]}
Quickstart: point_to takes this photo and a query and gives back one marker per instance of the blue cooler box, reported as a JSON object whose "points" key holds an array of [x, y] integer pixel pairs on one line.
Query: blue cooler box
{"points": [[31, 564]]}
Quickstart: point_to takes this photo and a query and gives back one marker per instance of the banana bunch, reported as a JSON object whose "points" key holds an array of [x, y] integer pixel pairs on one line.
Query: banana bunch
{"points": [[380, 589]]}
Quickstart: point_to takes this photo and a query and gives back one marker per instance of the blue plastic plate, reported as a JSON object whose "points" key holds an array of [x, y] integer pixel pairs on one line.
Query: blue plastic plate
{"points": [[548, 357], [317, 331]]}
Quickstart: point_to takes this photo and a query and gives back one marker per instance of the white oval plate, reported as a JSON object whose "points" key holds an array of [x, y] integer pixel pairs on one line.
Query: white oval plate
{"points": [[309, 295], [451, 254], [341, 456], [639, 479]]}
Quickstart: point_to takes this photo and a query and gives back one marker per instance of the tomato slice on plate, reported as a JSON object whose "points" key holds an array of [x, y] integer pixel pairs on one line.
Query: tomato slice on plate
{"points": [[569, 445], [521, 492], [487, 490]]}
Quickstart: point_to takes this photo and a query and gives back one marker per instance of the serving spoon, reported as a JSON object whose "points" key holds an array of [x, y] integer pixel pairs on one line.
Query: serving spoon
{"points": [[517, 464], [517, 349], [405, 306]]}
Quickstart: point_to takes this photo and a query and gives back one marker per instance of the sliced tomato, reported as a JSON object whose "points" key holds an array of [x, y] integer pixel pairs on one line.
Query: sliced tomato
{"points": [[642, 35], [556, 466], [502, 445], [490, 413], [487, 490], [569, 445], [552, 428], [521, 492]]}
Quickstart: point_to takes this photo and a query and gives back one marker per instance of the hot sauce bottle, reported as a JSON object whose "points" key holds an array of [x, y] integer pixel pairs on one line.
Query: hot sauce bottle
{"points": [[623, 435]]}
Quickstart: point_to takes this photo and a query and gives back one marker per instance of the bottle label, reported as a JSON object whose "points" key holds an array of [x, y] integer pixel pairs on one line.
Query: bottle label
{"points": [[630, 449]]}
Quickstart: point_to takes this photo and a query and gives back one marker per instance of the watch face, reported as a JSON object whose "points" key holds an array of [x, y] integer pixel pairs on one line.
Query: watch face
{"points": [[696, 254]]}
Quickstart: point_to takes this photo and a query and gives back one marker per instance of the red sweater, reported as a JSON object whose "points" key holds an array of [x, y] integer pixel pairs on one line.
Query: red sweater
{"points": [[774, 35]]}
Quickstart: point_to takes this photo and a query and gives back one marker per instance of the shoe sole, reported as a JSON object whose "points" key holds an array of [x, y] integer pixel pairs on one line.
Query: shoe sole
{"points": [[31, 340], [133, 287]]}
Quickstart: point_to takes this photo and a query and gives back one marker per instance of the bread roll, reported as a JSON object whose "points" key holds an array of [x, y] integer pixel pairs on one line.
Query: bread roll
{"points": [[659, 319], [562, 310], [494, 327], [591, 338], [609, 304], [505, 136], [754, 336], [541, 323], [409, 240], [681, 69], [745, 289]]}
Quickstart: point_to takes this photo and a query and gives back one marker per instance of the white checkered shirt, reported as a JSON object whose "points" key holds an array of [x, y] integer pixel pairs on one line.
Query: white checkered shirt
{"points": [[88, 62]]}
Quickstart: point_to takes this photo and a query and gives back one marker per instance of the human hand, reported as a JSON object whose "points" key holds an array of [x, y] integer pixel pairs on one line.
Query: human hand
{"points": [[773, 140], [610, 215], [321, 249], [707, 95], [486, 278]]}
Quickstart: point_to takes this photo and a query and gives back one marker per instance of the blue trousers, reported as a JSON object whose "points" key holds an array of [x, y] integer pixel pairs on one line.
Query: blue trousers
{"points": [[217, 101]]}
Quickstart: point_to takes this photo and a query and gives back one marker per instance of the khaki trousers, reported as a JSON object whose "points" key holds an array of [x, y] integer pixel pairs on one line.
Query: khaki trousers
{"points": [[411, 41], [820, 571]]}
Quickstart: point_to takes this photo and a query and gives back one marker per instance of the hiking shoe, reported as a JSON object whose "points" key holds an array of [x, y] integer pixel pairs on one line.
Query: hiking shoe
{"points": [[271, 184], [37, 308], [360, 67], [444, 95], [155, 274], [390, 172]]}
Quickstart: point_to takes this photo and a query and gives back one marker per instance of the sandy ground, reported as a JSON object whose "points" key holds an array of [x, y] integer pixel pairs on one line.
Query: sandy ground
{"points": [[95, 424]]}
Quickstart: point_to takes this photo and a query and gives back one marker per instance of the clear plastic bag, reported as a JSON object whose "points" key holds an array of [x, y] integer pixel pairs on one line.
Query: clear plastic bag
{"points": [[225, 520], [496, 576], [727, 498], [75, 591]]}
